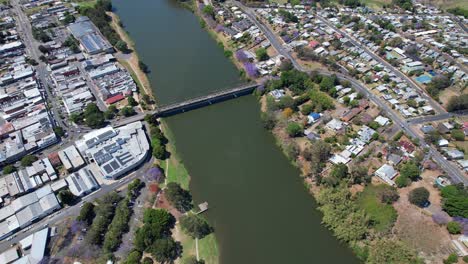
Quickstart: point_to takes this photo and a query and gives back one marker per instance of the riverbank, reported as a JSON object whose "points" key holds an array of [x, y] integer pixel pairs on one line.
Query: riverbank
{"points": [[175, 171], [173, 166], [131, 60], [220, 39]]}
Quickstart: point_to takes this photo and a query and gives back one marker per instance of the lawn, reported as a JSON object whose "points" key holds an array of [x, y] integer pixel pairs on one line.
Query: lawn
{"points": [[207, 248], [175, 169], [377, 3], [86, 3], [382, 215], [463, 145]]}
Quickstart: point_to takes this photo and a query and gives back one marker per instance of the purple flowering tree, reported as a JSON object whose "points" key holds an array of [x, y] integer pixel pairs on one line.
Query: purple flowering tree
{"points": [[77, 226], [463, 222], [441, 218], [219, 28], [241, 56], [155, 174], [251, 69]]}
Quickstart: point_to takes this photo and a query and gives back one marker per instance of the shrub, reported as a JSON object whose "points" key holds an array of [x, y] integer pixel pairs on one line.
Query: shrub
{"points": [[454, 227], [402, 181], [195, 226], [419, 196], [8, 169], [452, 258], [455, 201], [458, 134], [294, 129]]}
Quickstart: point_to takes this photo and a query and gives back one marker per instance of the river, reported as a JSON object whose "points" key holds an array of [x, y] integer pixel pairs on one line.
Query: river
{"points": [[259, 207]]}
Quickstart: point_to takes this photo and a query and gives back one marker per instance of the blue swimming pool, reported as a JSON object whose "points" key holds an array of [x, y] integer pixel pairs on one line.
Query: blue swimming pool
{"points": [[424, 79]]}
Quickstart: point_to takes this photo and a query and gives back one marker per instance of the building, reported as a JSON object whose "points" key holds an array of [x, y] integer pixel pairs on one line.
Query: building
{"points": [[9, 255], [89, 36], [71, 158], [82, 182], [115, 151], [387, 173]]}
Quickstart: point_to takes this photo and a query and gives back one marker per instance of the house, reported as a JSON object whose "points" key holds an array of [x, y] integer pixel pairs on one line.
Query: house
{"points": [[313, 117], [426, 129], [455, 154], [366, 133], [407, 146], [351, 114], [335, 124], [394, 159], [277, 94], [382, 120], [442, 143], [387, 173]]}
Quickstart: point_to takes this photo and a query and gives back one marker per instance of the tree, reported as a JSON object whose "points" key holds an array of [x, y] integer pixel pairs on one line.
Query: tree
{"points": [[133, 258], [179, 198], [147, 260], [455, 200], [286, 102], [94, 117], [432, 137], [457, 134], [454, 227], [127, 111], [389, 195], [209, 11], [457, 103], [143, 67], [410, 170], [195, 226], [294, 129], [339, 171], [59, 131], [131, 101], [419, 196], [76, 118], [108, 114], [286, 65], [165, 250], [262, 54], [66, 197], [8, 169], [326, 84], [451, 259], [28, 160], [402, 181], [122, 46], [86, 213], [387, 250], [193, 260], [359, 174], [268, 120]]}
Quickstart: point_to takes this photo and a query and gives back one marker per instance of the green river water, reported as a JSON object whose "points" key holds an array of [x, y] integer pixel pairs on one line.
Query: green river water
{"points": [[259, 207]]}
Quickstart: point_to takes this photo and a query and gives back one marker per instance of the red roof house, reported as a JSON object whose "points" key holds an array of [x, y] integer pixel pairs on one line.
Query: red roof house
{"points": [[114, 99], [313, 43]]}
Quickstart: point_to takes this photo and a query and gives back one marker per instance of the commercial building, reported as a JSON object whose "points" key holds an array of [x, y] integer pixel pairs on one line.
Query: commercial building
{"points": [[90, 38], [115, 151], [71, 158], [83, 181]]}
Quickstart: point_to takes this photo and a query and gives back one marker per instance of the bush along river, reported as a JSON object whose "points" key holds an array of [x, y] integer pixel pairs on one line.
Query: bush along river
{"points": [[259, 207]]}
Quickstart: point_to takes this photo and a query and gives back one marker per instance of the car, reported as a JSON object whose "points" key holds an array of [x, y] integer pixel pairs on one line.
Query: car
{"points": [[10, 238], [45, 225], [121, 181]]}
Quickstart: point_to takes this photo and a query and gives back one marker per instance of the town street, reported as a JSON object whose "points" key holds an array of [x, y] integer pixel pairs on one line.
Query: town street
{"points": [[436, 106], [74, 210]]}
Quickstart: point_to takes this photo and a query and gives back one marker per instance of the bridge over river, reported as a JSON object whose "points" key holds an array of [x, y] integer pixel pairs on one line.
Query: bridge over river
{"points": [[194, 103]]}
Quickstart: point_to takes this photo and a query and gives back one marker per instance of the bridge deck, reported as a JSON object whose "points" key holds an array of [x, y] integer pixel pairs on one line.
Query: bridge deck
{"points": [[206, 99]]}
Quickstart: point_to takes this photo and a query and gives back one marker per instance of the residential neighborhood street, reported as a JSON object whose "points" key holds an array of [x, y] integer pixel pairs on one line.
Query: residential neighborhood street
{"points": [[453, 171]]}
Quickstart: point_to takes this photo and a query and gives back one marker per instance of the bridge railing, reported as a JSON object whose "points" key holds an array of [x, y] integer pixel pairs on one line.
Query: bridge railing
{"points": [[205, 97]]}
